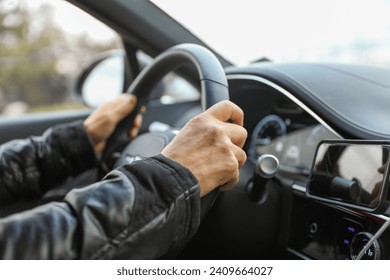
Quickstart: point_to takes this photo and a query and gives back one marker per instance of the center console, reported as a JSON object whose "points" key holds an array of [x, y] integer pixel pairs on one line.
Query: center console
{"points": [[324, 231]]}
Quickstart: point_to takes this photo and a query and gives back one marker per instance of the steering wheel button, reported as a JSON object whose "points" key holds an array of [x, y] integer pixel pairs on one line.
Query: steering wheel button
{"points": [[351, 229]]}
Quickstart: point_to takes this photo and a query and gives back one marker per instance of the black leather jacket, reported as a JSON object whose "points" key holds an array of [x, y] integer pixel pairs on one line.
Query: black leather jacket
{"points": [[142, 210]]}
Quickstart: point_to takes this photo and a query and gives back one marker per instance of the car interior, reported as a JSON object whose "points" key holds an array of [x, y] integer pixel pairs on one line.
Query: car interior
{"points": [[315, 183]]}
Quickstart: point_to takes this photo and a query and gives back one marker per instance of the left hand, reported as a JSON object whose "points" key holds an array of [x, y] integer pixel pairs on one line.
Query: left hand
{"points": [[102, 122]]}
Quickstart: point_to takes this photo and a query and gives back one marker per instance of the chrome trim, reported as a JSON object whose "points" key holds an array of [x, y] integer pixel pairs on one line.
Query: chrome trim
{"points": [[351, 211], [285, 93], [302, 189], [296, 253], [299, 188], [333, 202]]}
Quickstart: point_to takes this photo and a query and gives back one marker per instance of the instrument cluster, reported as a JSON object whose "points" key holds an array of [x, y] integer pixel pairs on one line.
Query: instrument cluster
{"points": [[293, 143]]}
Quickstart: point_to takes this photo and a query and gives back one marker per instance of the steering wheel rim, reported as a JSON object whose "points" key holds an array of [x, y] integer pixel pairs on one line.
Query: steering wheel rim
{"points": [[214, 88]]}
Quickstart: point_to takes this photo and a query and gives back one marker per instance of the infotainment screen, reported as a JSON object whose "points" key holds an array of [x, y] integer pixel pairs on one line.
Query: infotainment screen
{"points": [[353, 173]]}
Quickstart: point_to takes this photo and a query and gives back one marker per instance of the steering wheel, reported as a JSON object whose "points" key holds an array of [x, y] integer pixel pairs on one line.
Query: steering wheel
{"points": [[214, 88]]}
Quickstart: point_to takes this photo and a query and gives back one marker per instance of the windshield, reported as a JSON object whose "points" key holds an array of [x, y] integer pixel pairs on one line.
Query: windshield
{"points": [[245, 31]]}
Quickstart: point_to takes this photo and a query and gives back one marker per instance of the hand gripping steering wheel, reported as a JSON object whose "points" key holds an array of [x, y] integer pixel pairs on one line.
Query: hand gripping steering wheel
{"points": [[214, 88]]}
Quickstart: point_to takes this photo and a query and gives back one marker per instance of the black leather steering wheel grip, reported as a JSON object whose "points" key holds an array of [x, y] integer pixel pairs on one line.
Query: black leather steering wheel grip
{"points": [[214, 86], [212, 79]]}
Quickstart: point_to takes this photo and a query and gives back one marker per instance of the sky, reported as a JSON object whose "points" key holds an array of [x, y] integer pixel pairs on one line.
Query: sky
{"points": [[282, 30]]}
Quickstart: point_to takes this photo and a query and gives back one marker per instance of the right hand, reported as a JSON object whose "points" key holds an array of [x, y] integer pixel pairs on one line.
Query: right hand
{"points": [[211, 147]]}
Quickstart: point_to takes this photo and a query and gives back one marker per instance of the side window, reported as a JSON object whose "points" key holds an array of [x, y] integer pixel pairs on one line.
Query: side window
{"points": [[44, 45]]}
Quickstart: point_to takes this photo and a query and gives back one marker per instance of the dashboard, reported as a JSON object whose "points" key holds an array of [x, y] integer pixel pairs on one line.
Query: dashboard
{"points": [[294, 147], [283, 129], [282, 120]]}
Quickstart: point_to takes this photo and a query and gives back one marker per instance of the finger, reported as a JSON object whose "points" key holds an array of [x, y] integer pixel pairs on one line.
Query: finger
{"points": [[239, 154], [237, 134], [231, 183], [99, 147], [124, 105], [138, 121], [133, 132], [136, 126], [227, 111], [382, 169]]}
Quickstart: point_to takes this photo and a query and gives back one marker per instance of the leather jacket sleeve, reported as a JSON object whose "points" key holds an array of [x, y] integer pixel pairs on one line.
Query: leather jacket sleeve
{"points": [[143, 210], [30, 167]]}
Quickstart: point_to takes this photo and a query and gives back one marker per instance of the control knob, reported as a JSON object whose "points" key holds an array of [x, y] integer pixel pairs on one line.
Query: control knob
{"points": [[359, 241]]}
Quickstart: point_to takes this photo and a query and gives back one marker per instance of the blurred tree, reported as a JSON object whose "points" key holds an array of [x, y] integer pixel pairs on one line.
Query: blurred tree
{"points": [[28, 60], [38, 61]]}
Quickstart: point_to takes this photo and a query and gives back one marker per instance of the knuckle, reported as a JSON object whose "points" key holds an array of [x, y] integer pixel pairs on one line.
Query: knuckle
{"points": [[244, 133], [199, 119], [232, 181], [231, 163], [241, 112], [236, 176], [242, 158], [226, 103], [240, 130], [241, 135], [214, 131], [224, 148]]}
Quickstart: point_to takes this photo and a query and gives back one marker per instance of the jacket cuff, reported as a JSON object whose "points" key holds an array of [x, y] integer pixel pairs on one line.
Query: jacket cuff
{"points": [[191, 190], [76, 147], [168, 196], [184, 173]]}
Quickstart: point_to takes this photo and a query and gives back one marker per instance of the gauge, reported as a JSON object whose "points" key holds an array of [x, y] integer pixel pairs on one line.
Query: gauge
{"points": [[269, 128]]}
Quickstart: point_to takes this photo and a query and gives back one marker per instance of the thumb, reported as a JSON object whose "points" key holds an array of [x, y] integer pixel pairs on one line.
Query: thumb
{"points": [[227, 111]]}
